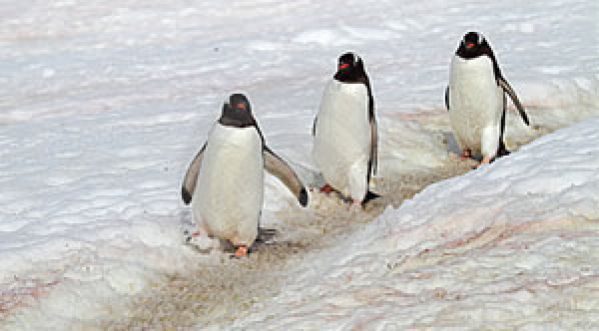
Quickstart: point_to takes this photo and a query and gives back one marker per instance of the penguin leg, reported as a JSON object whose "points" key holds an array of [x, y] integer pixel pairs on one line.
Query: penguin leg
{"points": [[199, 228], [247, 232], [466, 152], [356, 206], [485, 160], [195, 234], [241, 251]]}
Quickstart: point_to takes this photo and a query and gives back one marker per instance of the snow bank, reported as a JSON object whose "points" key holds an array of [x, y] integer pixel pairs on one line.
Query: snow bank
{"points": [[513, 244]]}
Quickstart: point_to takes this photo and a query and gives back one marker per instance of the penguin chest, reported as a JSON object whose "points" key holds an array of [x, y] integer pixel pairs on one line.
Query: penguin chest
{"points": [[228, 197], [342, 138], [475, 99]]}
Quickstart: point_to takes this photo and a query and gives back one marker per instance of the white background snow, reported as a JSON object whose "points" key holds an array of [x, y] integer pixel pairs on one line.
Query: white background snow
{"points": [[104, 103]]}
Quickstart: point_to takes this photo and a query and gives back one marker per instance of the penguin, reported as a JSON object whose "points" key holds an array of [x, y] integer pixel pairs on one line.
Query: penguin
{"points": [[476, 101], [225, 180], [345, 132]]}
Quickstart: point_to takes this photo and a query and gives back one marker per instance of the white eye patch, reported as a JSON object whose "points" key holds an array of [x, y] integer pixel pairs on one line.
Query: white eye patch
{"points": [[481, 38]]}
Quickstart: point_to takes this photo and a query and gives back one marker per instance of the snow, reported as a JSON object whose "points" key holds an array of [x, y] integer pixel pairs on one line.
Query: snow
{"points": [[103, 105]]}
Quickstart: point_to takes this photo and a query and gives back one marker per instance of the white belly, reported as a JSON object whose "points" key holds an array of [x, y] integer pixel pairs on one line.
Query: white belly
{"points": [[342, 141], [228, 198], [475, 103]]}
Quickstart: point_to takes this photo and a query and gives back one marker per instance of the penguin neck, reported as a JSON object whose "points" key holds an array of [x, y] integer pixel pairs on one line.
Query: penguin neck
{"points": [[481, 50], [354, 76]]}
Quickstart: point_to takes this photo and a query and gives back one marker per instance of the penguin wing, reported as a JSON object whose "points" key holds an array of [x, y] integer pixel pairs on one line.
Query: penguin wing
{"points": [[191, 177], [280, 169], [374, 142], [374, 138], [314, 126], [447, 98], [508, 89]]}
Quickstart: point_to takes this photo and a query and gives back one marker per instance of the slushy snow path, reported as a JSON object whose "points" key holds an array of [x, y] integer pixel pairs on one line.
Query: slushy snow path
{"points": [[103, 104]]}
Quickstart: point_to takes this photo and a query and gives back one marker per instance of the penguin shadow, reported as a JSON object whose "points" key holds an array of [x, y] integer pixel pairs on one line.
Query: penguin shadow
{"points": [[452, 144], [266, 236], [269, 244]]}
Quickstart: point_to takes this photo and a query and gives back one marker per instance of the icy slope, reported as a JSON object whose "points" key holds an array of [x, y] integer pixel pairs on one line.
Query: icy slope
{"points": [[512, 245]]}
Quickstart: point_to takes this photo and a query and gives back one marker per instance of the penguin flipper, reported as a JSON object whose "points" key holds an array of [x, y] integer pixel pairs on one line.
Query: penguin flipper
{"points": [[447, 98], [280, 169], [191, 177], [374, 146], [314, 126], [508, 89], [374, 135]]}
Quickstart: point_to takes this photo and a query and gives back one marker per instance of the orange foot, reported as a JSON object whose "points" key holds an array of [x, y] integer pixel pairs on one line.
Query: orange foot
{"points": [[486, 160], [355, 205], [327, 189], [241, 251], [466, 154]]}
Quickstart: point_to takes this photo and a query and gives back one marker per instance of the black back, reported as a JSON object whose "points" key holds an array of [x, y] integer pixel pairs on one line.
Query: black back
{"points": [[474, 45]]}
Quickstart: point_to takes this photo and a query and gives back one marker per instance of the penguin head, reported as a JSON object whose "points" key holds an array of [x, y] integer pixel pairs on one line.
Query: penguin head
{"points": [[237, 112], [240, 103], [350, 68], [472, 45]]}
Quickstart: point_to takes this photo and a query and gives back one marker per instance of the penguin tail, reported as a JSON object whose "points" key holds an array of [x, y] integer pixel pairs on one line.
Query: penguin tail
{"points": [[369, 197], [502, 150]]}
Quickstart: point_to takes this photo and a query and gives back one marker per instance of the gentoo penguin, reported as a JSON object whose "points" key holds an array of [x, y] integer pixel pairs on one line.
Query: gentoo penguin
{"points": [[225, 181], [345, 132], [475, 99]]}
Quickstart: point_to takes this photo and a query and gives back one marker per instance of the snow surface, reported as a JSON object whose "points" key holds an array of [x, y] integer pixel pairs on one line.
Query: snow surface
{"points": [[103, 104]]}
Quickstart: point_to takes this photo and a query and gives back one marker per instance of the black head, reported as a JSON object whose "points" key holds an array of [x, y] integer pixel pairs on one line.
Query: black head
{"points": [[350, 69], [472, 45], [237, 112]]}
